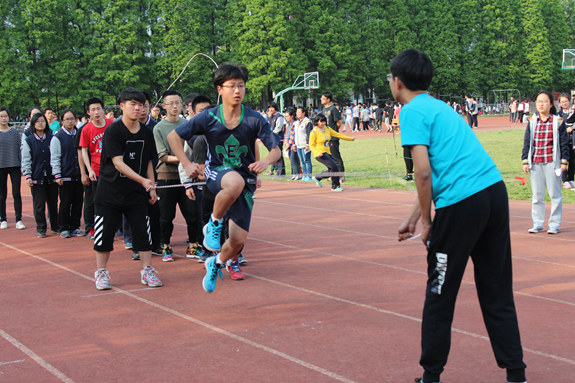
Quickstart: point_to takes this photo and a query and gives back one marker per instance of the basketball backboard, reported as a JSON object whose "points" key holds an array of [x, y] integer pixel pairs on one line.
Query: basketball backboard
{"points": [[311, 80], [568, 59]]}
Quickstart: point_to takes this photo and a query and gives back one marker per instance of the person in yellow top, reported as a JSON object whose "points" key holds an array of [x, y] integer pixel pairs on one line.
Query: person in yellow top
{"points": [[319, 144]]}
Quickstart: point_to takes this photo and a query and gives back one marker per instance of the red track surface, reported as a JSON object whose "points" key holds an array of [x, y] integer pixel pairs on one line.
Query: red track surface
{"points": [[329, 295]]}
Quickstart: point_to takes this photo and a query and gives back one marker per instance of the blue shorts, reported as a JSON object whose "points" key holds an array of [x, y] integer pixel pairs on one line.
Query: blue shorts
{"points": [[241, 210]]}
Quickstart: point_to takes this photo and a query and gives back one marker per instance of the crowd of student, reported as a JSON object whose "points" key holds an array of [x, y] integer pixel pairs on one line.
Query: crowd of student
{"points": [[112, 163]]}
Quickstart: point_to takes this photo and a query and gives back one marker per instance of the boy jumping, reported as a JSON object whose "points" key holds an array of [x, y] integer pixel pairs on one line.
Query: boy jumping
{"points": [[471, 218], [231, 131]]}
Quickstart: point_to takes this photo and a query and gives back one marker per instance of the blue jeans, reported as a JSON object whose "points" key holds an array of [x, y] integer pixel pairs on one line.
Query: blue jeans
{"points": [[305, 160]]}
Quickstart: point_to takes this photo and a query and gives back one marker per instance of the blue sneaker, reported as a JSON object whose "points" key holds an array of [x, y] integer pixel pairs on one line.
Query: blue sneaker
{"points": [[212, 233], [317, 182], [212, 271]]}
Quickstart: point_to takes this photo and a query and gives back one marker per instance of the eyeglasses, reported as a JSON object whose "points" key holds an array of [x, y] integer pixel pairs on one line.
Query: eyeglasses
{"points": [[69, 119], [232, 87], [389, 76], [541, 102], [173, 103]]}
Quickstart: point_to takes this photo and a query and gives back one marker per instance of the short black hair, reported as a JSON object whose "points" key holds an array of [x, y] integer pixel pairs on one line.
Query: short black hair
{"points": [[414, 68], [48, 109], [274, 105], [227, 71], [32, 108], [131, 94], [318, 118], [290, 111], [3, 109], [200, 99], [91, 101], [171, 92], [327, 95], [35, 119], [303, 109], [70, 111], [190, 98], [148, 98]]}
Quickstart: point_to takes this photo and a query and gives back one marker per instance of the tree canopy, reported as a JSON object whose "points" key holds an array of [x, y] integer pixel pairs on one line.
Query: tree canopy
{"points": [[58, 53]]}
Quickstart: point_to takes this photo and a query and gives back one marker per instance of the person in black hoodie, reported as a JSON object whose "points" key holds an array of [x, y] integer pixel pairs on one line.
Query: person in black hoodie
{"points": [[38, 172]]}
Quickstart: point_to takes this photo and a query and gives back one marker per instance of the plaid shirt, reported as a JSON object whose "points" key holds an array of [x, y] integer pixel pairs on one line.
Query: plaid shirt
{"points": [[543, 141]]}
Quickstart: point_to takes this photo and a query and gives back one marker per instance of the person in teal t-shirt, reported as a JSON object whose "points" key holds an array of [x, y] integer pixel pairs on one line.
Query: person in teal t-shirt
{"points": [[51, 119], [471, 219]]}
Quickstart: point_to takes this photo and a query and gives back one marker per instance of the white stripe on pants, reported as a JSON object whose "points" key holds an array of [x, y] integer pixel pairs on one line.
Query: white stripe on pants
{"points": [[542, 176]]}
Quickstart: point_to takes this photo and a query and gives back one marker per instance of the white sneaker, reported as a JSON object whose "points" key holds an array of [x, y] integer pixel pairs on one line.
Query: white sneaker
{"points": [[4, 225], [20, 225]]}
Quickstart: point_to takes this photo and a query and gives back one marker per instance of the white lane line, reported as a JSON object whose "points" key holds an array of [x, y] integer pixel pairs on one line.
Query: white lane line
{"points": [[196, 321], [404, 316], [14, 361], [103, 294], [36, 358], [395, 238], [395, 267], [250, 238]]}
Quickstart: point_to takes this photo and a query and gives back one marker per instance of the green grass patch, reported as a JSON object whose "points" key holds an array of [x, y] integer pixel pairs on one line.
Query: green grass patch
{"points": [[366, 160]]}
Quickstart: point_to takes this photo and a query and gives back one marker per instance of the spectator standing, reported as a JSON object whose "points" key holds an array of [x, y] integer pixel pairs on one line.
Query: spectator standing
{"points": [[10, 163], [513, 110], [168, 176], [277, 122], [38, 173], [545, 155], [520, 111], [334, 122], [474, 111], [53, 124], [356, 118], [303, 127], [566, 111], [290, 146], [378, 113], [66, 171], [91, 143]]}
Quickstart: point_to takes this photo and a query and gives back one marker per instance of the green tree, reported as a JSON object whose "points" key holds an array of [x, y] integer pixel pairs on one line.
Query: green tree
{"points": [[267, 43], [539, 61]]}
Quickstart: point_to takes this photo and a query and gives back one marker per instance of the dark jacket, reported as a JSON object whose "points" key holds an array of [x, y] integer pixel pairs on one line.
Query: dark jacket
{"points": [[36, 158]]}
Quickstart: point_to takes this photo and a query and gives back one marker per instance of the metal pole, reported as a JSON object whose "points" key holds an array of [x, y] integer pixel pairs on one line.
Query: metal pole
{"points": [[388, 169]]}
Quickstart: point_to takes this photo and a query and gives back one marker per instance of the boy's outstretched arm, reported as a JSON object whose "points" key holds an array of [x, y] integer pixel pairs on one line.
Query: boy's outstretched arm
{"points": [[261, 165], [422, 206]]}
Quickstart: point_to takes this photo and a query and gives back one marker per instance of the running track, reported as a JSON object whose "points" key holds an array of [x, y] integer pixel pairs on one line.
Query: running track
{"points": [[330, 296]]}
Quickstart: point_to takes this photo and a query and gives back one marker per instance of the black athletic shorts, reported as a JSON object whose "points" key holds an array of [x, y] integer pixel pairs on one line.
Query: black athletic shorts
{"points": [[241, 210], [107, 220]]}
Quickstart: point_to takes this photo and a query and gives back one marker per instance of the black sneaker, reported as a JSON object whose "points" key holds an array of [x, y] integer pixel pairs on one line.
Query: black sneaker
{"points": [[135, 256], [408, 177], [158, 251], [41, 234], [420, 380], [242, 260], [205, 256]]}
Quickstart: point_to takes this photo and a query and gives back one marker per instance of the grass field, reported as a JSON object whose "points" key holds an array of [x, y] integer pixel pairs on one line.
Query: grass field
{"points": [[367, 157]]}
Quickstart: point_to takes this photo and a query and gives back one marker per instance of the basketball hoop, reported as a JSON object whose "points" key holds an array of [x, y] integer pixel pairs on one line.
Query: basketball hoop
{"points": [[568, 59]]}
